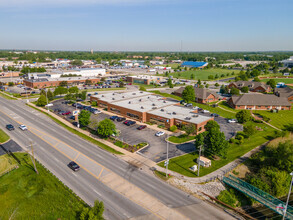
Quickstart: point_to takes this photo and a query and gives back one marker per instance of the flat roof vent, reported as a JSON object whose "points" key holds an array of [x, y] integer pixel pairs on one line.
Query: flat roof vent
{"points": [[113, 94], [148, 97], [113, 98], [142, 107], [134, 93], [154, 107], [195, 115], [174, 113], [162, 110], [153, 104], [102, 95], [141, 91], [129, 102], [164, 101], [123, 96], [187, 118], [140, 100]]}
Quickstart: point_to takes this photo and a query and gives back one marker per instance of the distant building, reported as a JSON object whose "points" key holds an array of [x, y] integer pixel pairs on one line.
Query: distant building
{"points": [[194, 64], [144, 79], [288, 62], [256, 101], [202, 95], [252, 86], [286, 92]]}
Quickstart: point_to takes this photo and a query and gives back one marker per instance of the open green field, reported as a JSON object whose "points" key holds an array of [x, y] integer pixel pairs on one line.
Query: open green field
{"points": [[3, 136], [280, 119], [183, 163], [203, 74], [284, 80], [6, 163], [27, 195]]}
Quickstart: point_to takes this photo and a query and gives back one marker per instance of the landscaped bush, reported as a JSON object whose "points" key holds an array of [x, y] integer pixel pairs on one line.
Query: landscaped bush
{"points": [[257, 120], [241, 133], [173, 128], [228, 197]]}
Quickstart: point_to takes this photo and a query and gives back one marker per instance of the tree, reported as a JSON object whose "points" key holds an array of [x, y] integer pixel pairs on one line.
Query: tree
{"points": [[245, 89], [199, 140], [83, 95], [198, 82], [98, 209], [121, 84], [142, 88], [42, 101], [188, 94], [106, 128], [234, 91], [84, 118], [94, 213], [207, 85], [88, 82], [192, 76], [60, 90], [217, 84], [243, 116], [73, 89], [210, 77], [76, 63], [256, 79], [272, 83], [43, 92], [215, 142], [11, 84], [173, 128], [189, 129], [211, 124], [63, 83], [249, 130], [170, 84], [50, 95]]}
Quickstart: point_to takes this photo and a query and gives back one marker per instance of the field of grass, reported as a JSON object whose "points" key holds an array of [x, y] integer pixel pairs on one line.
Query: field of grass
{"points": [[183, 163], [280, 119], [27, 195], [284, 80], [3, 136], [181, 139], [2, 94], [162, 175], [203, 74], [92, 140], [6, 163]]}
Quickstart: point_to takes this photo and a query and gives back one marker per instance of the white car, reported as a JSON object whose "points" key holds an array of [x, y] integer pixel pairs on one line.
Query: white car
{"points": [[97, 112], [206, 111], [160, 133], [23, 127], [195, 108], [232, 121]]}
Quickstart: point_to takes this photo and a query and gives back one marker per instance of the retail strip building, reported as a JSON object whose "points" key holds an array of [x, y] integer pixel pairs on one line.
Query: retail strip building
{"points": [[148, 107]]}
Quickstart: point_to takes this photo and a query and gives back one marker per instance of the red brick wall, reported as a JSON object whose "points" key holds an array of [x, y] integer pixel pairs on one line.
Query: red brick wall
{"points": [[167, 124], [55, 83]]}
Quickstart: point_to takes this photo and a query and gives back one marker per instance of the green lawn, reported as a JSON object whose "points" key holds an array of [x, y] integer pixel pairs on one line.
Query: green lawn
{"points": [[162, 175], [284, 117], [183, 163], [181, 139], [27, 195], [2, 94], [3, 136], [284, 80], [6, 163], [149, 86], [203, 74]]}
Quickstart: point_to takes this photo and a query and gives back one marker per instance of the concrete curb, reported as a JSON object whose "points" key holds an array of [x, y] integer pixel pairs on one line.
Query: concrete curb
{"points": [[6, 141]]}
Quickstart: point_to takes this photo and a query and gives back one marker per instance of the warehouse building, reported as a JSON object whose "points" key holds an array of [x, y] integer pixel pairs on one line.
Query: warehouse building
{"points": [[147, 107], [144, 79]]}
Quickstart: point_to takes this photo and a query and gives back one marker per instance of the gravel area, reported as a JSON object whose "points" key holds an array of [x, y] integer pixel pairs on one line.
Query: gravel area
{"points": [[211, 188]]}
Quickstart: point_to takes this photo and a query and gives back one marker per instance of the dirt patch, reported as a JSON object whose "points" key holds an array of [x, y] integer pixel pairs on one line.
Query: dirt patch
{"points": [[241, 171]]}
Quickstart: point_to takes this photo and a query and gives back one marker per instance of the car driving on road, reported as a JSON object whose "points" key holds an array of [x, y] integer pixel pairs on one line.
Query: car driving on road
{"points": [[10, 127], [74, 166], [23, 127]]}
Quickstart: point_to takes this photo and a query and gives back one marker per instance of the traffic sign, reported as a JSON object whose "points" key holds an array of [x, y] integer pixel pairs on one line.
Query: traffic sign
{"points": [[280, 209], [75, 112]]}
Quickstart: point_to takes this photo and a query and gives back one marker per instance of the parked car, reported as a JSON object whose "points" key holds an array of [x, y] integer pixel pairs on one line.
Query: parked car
{"points": [[114, 117], [125, 122], [232, 121], [95, 112], [188, 105], [96, 93], [214, 115], [10, 127], [129, 123], [66, 113], [120, 119], [141, 127], [206, 111], [74, 166], [195, 108], [160, 133], [61, 112], [23, 127], [72, 117], [76, 124]]}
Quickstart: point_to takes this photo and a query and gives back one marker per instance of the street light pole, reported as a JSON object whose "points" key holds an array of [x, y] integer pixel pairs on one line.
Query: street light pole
{"points": [[47, 99], [285, 211], [198, 162], [167, 156]]}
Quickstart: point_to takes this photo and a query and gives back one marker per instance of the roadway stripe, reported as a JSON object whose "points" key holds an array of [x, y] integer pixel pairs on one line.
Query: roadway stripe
{"points": [[100, 173], [76, 156], [136, 202]]}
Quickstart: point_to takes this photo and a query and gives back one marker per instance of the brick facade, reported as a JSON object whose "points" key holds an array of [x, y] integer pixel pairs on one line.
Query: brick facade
{"points": [[45, 84]]}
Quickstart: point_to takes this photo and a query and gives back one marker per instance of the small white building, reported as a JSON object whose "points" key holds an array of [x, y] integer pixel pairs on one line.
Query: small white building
{"points": [[193, 168], [203, 161], [288, 63]]}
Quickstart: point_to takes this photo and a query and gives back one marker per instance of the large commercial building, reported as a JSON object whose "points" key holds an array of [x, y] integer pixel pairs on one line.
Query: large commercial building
{"points": [[147, 107], [85, 72], [144, 79], [193, 64], [288, 62]]}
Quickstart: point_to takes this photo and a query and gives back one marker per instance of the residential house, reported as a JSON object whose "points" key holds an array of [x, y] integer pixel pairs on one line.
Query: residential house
{"points": [[202, 95], [284, 92], [252, 86]]}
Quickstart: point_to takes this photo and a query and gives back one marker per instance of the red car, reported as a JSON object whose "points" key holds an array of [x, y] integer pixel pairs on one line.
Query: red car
{"points": [[66, 113], [141, 127], [125, 122]]}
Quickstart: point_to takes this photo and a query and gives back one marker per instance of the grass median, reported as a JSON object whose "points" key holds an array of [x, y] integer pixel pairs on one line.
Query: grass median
{"points": [[27, 195], [2, 94], [3, 136], [84, 136], [181, 138]]}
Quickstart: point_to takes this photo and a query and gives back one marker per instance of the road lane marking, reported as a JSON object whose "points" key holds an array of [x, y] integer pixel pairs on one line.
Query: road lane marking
{"points": [[97, 192], [74, 174], [76, 156], [100, 173], [136, 202]]}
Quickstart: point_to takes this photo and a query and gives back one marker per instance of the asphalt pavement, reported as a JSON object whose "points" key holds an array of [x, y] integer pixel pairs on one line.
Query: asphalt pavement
{"points": [[43, 131]]}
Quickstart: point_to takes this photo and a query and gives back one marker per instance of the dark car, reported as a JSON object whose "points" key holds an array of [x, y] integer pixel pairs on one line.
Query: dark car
{"points": [[72, 165], [129, 123], [10, 127], [141, 127], [120, 119], [125, 122], [76, 124], [114, 117], [72, 117], [215, 115]]}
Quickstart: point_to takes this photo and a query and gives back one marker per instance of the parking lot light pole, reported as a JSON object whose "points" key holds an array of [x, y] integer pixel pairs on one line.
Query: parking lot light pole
{"points": [[167, 156], [47, 100], [285, 211]]}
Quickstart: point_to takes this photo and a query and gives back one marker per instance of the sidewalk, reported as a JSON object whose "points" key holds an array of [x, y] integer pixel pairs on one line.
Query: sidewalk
{"points": [[217, 173]]}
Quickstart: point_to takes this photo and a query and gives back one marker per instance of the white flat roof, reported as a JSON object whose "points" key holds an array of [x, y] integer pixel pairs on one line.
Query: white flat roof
{"points": [[115, 96], [180, 113]]}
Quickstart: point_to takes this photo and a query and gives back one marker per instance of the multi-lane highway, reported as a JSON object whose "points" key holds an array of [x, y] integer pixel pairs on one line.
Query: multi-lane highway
{"points": [[103, 176]]}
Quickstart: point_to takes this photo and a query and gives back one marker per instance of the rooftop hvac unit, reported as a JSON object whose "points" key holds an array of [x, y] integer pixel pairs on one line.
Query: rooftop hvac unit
{"points": [[142, 107], [140, 100], [141, 91], [102, 95], [187, 118], [133, 93], [164, 101], [174, 113], [154, 107], [153, 104], [162, 110], [195, 116], [129, 102], [113, 94], [113, 98], [148, 97], [123, 96]]}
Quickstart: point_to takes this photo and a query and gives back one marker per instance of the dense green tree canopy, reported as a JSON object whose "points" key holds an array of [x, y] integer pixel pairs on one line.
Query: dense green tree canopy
{"points": [[243, 116], [106, 128], [84, 118], [188, 94]]}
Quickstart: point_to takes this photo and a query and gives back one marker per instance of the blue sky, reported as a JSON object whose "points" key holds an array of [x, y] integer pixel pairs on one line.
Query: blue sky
{"points": [[147, 25]]}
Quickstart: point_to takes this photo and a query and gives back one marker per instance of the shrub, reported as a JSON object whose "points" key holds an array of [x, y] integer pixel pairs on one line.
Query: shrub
{"points": [[266, 119], [232, 140], [173, 128], [241, 133], [228, 197]]}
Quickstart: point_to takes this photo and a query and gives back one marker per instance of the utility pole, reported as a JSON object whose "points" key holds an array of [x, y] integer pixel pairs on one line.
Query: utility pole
{"points": [[285, 211], [167, 161], [198, 162], [33, 158], [47, 99]]}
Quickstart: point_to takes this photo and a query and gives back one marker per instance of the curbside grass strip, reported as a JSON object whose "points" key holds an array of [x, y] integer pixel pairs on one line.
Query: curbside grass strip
{"points": [[83, 136]]}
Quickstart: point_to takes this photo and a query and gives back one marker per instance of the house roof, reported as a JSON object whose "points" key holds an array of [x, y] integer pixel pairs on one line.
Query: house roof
{"points": [[250, 84], [260, 99], [284, 92], [204, 159], [201, 93]]}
